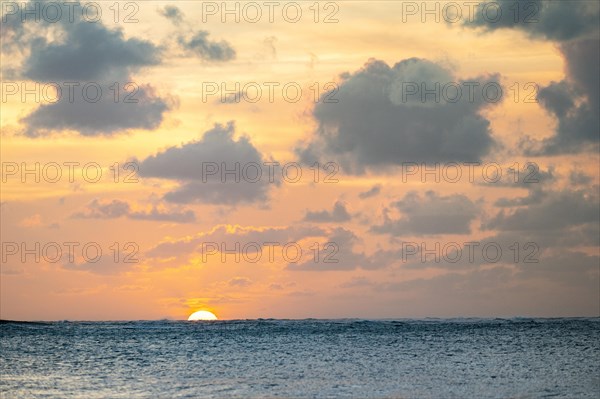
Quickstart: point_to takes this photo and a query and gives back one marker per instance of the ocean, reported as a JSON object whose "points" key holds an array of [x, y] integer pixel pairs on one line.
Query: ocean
{"points": [[429, 358]]}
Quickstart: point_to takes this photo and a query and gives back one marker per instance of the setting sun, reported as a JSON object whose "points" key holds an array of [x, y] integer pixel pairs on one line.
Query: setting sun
{"points": [[202, 315]]}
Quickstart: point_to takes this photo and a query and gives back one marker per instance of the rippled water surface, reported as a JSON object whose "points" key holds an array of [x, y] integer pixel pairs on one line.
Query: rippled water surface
{"points": [[466, 358]]}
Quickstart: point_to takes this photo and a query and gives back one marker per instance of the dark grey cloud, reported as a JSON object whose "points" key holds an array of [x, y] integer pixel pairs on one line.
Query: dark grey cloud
{"points": [[541, 236], [532, 178], [555, 210], [172, 13], [471, 253], [104, 210], [373, 191], [562, 263], [338, 214], [430, 214], [88, 52], [81, 52], [579, 178], [374, 126], [12, 30], [217, 146], [202, 47], [80, 49], [529, 175], [541, 256], [534, 196], [197, 42], [502, 291], [339, 253], [574, 102], [553, 20], [117, 208], [557, 223], [99, 114]]}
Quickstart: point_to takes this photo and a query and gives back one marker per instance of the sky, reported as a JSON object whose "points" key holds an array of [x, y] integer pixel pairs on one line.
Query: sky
{"points": [[330, 159]]}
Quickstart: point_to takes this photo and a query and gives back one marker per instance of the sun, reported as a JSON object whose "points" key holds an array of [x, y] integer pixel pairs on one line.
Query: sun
{"points": [[202, 315]]}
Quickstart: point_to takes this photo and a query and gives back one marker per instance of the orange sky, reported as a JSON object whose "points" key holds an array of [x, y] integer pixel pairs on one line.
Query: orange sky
{"points": [[172, 278]]}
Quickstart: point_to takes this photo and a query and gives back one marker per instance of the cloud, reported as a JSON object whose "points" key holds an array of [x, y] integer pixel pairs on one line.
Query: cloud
{"points": [[561, 263], [96, 62], [529, 175], [12, 30], [503, 291], [535, 196], [73, 47], [197, 43], [230, 235], [532, 178], [579, 178], [555, 210], [85, 51], [187, 216], [240, 282], [203, 48], [172, 13], [105, 116], [337, 214], [542, 238], [540, 254], [574, 102], [357, 281], [553, 20], [117, 208], [104, 210], [32, 221], [105, 264], [269, 43], [376, 124], [430, 214], [339, 254], [539, 239], [217, 148], [372, 192], [88, 52]]}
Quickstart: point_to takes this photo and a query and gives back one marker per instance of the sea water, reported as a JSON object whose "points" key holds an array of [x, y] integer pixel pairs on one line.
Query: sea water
{"points": [[431, 358]]}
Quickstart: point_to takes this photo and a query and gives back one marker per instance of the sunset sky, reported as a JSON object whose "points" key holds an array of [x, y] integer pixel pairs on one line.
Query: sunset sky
{"points": [[374, 205]]}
